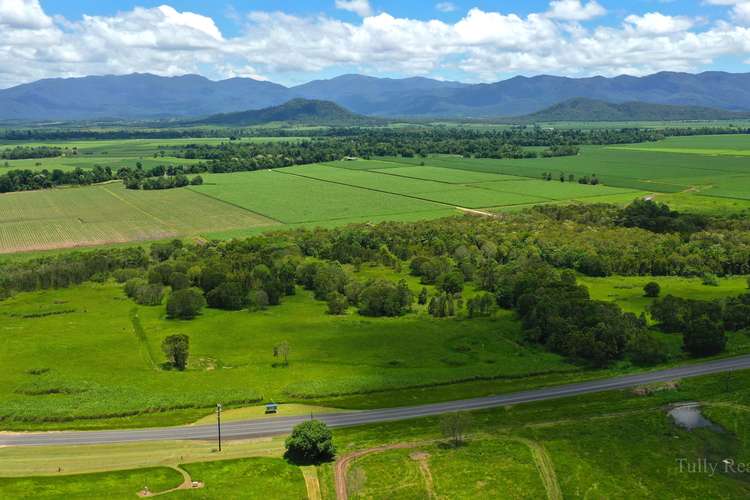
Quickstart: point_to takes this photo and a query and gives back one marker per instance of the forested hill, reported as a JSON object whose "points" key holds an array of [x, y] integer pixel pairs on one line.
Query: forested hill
{"points": [[296, 111], [592, 110]]}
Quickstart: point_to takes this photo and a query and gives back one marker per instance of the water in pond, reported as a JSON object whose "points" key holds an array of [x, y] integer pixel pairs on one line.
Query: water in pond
{"points": [[690, 417]]}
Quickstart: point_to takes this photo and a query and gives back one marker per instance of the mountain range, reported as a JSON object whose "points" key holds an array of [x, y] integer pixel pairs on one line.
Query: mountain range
{"points": [[145, 96]]}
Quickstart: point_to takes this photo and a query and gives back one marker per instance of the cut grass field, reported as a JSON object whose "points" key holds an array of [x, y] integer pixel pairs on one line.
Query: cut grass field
{"points": [[109, 213]]}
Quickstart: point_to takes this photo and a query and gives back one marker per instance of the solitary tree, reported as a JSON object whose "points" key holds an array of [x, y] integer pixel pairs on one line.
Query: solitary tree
{"points": [[177, 348], [652, 289], [281, 351], [455, 426], [311, 442]]}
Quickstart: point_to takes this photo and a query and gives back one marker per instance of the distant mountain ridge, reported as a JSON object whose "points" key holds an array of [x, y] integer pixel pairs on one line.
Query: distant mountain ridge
{"points": [[592, 110], [145, 96], [297, 111]]}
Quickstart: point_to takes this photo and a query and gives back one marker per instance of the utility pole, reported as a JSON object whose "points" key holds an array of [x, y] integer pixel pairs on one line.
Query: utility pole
{"points": [[218, 422]]}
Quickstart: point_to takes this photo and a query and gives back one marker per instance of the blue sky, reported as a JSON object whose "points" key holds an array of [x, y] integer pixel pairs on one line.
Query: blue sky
{"points": [[296, 41]]}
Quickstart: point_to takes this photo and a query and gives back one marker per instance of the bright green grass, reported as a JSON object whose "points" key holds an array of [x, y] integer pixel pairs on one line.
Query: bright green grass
{"points": [[617, 166], [98, 367], [695, 203], [627, 291], [246, 478], [105, 214], [447, 175], [486, 468], [294, 199], [709, 145], [367, 179], [553, 190], [115, 485], [476, 197]]}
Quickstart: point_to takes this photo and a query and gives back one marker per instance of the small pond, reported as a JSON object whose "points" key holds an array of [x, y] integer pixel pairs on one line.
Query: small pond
{"points": [[690, 417]]}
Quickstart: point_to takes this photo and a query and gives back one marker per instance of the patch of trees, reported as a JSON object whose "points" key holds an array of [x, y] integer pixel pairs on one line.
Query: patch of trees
{"points": [[558, 313], [659, 218], [29, 180], [62, 271], [27, 152], [163, 182], [703, 324]]}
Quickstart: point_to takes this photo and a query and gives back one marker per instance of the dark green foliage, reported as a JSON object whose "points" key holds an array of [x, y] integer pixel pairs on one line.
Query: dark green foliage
{"points": [[337, 303], [163, 251], [442, 306], [645, 349], [559, 314], [329, 278], [422, 299], [451, 282], [481, 305], [384, 298], [179, 281], [229, 296], [704, 337], [658, 218], [652, 289], [143, 292], [737, 313], [257, 300], [710, 279], [27, 152], [123, 275], [177, 349], [185, 304], [675, 314], [311, 442], [196, 181]]}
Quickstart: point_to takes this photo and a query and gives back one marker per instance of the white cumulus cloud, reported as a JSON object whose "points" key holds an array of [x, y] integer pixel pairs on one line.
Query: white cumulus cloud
{"points": [[575, 10], [484, 45], [359, 7]]}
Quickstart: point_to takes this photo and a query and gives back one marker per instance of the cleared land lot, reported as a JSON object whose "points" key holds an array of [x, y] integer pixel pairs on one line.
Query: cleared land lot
{"points": [[88, 352], [96, 215]]}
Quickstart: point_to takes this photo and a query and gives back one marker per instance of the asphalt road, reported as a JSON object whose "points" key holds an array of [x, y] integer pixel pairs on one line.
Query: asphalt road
{"points": [[282, 425]]}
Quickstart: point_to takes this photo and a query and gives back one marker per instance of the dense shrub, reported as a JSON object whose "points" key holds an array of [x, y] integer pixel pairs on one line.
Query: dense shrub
{"points": [[384, 298], [310, 442], [185, 304]]}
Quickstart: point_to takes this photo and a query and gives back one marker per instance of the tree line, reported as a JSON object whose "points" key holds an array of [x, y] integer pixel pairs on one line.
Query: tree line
{"points": [[27, 152]]}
